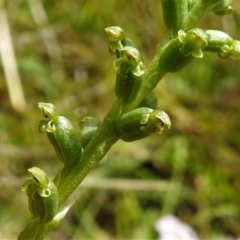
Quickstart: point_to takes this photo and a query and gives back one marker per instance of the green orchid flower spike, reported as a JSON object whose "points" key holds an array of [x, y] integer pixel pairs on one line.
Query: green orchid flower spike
{"points": [[194, 41], [42, 195], [132, 116], [142, 122]]}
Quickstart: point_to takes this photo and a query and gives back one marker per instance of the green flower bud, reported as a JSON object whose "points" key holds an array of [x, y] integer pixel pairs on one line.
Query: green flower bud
{"points": [[150, 101], [115, 35], [42, 195], [88, 128], [62, 137], [222, 43], [194, 41], [175, 14], [117, 40], [141, 123], [217, 40]]}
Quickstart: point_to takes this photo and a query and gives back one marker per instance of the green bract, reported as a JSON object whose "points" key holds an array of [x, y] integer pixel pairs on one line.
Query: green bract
{"points": [[88, 128], [170, 57], [150, 101], [42, 194]]}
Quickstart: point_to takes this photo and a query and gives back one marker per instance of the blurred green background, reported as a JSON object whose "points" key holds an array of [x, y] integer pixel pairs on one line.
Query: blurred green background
{"points": [[61, 56]]}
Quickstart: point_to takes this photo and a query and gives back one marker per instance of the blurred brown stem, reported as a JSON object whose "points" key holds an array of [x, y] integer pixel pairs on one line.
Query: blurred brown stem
{"points": [[9, 64]]}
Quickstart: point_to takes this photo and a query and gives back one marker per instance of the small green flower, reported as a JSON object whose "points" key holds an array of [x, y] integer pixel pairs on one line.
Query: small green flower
{"points": [[232, 51], [142, 122], [155, 121], [130, 60], [115, 33], [41, 181], [48, 110], [42, 194], [194, 41], [42, 125]]}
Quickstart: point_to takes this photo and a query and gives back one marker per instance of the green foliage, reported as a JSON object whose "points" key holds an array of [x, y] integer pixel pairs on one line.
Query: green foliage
{"points": [[197, 158]]}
